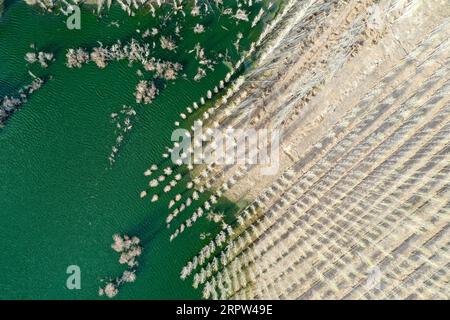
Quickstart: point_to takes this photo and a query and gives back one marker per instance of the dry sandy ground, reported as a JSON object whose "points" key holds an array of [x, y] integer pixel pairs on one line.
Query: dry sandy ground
{"points": [[359, 208]]}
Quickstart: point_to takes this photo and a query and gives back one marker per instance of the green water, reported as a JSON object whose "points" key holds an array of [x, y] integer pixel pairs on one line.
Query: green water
{"points": [[60, 201]]}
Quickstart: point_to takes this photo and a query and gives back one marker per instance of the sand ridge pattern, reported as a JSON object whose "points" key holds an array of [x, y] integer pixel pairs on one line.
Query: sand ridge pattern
{"points": [[360, 208]]}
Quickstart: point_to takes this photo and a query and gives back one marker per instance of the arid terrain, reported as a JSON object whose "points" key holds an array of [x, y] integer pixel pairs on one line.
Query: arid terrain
{"points": [[360, 207]]}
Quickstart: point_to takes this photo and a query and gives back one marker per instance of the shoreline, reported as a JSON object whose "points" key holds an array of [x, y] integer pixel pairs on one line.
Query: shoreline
{"points": [[315, 113], [362, 93]]}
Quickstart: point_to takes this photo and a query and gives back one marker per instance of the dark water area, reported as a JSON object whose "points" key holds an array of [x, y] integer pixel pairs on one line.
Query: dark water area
{"points": [[60, 199]]}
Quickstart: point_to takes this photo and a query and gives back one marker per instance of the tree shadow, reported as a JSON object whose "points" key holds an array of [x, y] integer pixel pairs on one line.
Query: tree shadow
{"points": [[7, 4]]}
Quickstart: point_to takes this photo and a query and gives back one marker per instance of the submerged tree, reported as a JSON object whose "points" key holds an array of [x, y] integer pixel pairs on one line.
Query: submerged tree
{"points": [[8, 105], [146, 92], [129, 249]]}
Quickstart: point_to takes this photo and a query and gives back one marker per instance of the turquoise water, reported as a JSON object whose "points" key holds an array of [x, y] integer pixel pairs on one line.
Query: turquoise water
{"points": [[60, 200]]}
